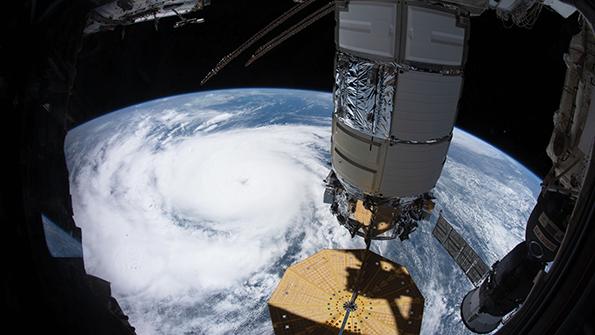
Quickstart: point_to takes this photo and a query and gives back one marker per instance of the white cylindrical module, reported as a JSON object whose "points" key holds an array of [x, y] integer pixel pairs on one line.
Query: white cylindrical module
{"points": [[398, 76]]}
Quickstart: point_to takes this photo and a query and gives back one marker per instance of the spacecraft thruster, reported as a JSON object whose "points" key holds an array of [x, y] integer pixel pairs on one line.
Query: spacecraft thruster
{"points": [[398, 77]]}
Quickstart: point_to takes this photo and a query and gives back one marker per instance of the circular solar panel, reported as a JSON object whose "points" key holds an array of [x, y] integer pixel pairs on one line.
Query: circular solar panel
{"points": [[311, 296]]}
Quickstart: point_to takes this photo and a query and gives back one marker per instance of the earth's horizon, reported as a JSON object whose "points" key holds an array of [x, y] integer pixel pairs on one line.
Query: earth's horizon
{"points": [[193, 205]]}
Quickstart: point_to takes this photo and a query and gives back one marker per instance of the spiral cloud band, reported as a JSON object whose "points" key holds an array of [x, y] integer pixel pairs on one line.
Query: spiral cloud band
{"points": [[193, 206], [188, 225]]}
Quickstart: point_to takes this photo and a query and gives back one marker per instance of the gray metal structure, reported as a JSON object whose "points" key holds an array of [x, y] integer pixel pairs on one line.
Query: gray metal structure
{"points": [[128, 12]]}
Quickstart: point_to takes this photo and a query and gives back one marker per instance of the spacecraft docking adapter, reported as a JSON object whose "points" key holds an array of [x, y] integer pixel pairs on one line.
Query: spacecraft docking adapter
{"points": [[398, 77]]}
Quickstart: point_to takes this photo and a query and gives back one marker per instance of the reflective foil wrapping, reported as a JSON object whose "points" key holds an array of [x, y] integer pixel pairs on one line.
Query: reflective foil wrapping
{"points": [[364, 94], [351, 189], [343, 207]]}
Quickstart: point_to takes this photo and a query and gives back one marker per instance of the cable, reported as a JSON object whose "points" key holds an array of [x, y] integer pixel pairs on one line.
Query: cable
{"points": [[328, 8], [231, 56]]}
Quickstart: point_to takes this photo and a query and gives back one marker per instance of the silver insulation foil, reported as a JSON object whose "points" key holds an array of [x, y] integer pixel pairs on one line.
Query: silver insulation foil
{"points": [[364, 94]]}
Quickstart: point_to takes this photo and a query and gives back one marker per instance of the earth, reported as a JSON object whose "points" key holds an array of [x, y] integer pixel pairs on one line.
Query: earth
{"points": [[192, 206]]}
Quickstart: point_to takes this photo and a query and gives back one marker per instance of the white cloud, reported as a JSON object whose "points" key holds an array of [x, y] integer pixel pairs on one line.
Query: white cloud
{"points": [[191, 227], [205, 215]]}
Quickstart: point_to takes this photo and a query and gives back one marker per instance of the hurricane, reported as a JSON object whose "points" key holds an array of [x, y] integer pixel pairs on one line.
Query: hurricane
{"points": [[192, 206]]}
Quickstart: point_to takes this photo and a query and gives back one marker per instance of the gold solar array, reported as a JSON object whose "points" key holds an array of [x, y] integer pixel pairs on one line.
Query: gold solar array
{"points": [[310, 297]]}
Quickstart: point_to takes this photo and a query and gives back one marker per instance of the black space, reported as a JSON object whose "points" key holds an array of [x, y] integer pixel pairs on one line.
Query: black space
{"points": [[513, 76]]}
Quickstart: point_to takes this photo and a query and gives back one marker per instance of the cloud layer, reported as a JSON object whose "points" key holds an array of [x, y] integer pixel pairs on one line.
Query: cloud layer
{"points": [[193, 227], [193, 206]]}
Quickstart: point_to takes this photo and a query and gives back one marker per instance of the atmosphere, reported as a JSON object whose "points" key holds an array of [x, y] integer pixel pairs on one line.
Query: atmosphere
{"points": [[193, 206]]}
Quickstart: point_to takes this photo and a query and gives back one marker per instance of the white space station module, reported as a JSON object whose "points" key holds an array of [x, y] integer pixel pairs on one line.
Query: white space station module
{"points": [[398, 77]]}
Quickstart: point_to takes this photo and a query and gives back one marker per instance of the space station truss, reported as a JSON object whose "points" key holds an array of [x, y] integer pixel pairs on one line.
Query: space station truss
{"points": [[311, 295], [463, 254], [113, 14]]}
